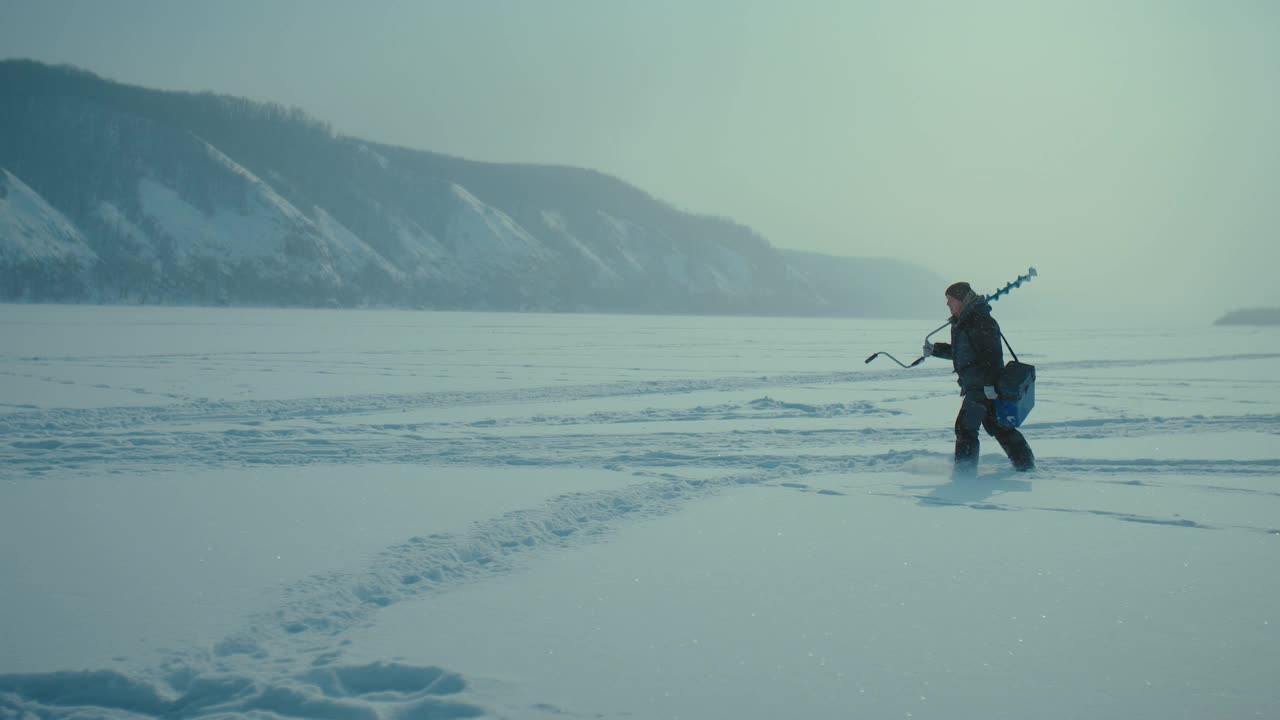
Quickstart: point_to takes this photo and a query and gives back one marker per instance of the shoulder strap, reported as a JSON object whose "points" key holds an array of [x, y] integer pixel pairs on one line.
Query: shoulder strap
{"points": [[1006, 344]]}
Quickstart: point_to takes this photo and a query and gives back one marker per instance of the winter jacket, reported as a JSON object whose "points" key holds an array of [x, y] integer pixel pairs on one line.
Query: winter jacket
{"points": [[975, 350]]}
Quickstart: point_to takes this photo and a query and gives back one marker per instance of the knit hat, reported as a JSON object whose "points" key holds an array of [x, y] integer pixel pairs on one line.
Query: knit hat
{"points": [[962, 292]]}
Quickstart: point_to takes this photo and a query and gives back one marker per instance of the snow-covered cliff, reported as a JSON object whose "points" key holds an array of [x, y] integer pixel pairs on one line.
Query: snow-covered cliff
{"points": [[113, 193]]}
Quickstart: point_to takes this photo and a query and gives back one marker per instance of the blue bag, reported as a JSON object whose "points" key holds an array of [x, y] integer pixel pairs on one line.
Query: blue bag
{"points": [[1015, 392]]}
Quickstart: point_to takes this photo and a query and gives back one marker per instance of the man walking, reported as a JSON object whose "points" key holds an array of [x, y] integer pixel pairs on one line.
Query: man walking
{"points": [[976, 355]]}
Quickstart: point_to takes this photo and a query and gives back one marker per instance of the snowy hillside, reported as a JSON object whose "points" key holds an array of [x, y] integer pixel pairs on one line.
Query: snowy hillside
{"points": [[33, 230], [40, 250], [203, 199]]}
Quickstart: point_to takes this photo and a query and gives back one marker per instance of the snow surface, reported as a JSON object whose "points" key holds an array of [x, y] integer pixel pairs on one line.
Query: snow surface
{"points": [[33, 230], [350, 253], [259, 229], [358, 514], [484, 235]]}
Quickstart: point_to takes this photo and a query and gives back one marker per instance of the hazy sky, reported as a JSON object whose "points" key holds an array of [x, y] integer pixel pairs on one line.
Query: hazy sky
{"points": [[1129, 149]]}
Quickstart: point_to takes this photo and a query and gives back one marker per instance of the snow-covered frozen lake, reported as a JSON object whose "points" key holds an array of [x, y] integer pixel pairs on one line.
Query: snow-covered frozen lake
{"points": [[366, 514]]}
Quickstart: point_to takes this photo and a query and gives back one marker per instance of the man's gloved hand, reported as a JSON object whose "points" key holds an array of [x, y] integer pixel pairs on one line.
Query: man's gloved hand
{"points": [[928, 349], [990, 392]]}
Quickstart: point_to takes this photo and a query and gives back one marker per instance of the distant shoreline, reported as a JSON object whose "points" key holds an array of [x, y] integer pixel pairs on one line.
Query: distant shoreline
{"points": [[1251, 316]]}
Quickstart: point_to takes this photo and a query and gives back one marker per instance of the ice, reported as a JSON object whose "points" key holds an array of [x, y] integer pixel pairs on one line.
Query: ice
{"points": [[332, 514]]}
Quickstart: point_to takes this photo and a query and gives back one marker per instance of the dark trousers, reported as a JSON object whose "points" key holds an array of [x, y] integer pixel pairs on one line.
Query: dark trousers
{"points": [[977, 411]]}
